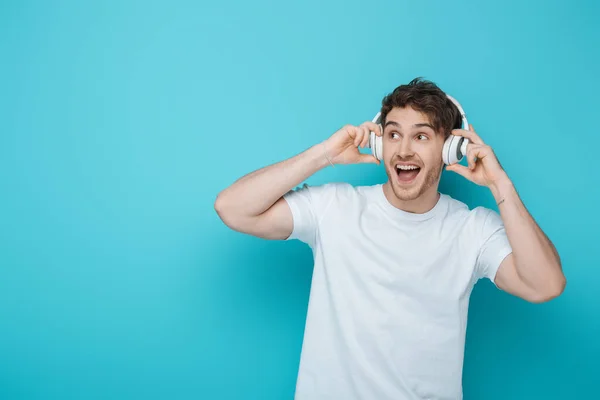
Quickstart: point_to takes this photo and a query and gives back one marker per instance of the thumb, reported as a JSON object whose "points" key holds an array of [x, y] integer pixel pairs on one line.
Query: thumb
{"points": [[368, 158]]}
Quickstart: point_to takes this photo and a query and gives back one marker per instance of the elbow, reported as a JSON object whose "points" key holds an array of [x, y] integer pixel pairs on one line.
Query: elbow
{"points": [[219, 206], [226, 213], [559, 286], [221, 209], [552, 291]]}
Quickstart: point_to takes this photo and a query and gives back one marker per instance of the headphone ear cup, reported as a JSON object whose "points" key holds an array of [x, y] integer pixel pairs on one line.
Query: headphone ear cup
{"points": [[376, 145], [445, 153], [379, 147], [455, 148]]}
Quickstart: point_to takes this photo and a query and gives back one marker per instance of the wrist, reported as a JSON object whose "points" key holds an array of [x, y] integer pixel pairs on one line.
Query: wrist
{"points": [[326, 153], [318, 156], [502, 189]]}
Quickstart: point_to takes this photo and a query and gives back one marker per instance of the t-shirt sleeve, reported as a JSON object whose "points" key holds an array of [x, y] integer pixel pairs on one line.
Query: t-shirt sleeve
{"points": [[494, 246], [308, 204]]}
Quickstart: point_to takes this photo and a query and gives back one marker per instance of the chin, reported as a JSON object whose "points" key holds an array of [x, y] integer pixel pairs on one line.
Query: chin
{"points": [[406, 193]]}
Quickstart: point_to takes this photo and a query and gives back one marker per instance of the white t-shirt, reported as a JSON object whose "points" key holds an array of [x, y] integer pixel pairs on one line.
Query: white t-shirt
{"points": [[390, 292]]}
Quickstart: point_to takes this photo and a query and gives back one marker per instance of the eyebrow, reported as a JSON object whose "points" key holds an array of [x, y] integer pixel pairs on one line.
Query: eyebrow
{"points": [[422, 125]]}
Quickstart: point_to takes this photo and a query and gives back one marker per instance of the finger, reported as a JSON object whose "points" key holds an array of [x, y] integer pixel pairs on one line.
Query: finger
{"points": [[361, 133], [355, 133], [477, 152], [373, 127], [469, 134], [366, 137], [472, 153]]}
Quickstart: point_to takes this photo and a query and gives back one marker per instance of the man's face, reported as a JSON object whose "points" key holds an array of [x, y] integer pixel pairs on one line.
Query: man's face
{"points": [[412, 153]]}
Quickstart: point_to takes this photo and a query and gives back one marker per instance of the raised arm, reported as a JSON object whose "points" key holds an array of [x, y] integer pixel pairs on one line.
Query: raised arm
{"points": [[254, 203], [533, 271]]}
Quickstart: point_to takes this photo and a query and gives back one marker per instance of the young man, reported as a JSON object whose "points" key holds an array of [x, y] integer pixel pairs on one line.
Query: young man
{"points": [[395, 263]]}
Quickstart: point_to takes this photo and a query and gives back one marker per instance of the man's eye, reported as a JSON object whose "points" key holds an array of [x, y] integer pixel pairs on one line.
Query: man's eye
{"points": [[394, 135], [422, 137]]}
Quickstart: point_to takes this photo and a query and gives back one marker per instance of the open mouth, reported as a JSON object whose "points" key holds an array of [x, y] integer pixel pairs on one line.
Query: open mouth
{"points": [[407, 172]]}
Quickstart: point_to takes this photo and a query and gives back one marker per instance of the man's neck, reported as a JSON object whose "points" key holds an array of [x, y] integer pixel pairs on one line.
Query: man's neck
{"points": [[422, 204]]}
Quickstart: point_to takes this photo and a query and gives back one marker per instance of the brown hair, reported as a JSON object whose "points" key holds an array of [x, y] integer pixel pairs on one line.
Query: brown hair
{"points": [[426, 97]]}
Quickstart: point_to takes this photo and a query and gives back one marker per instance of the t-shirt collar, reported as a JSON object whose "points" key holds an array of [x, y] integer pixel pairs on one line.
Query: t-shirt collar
{"points": [[401, 214]]}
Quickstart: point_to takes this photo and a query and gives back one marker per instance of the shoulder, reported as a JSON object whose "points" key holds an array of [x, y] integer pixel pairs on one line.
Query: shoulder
{"points": [[333, 190], [480, 221], [323, 196]]}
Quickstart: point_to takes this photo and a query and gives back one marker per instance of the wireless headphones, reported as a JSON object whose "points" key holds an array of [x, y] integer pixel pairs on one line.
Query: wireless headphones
{"points": [[455, 147]]}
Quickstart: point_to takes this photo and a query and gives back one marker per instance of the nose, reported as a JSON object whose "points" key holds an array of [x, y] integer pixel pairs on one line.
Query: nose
{"points": [[405, 148]]}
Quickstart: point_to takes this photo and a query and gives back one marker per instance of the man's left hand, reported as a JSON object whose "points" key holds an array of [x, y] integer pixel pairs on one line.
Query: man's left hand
{"points": [[483, 167]]}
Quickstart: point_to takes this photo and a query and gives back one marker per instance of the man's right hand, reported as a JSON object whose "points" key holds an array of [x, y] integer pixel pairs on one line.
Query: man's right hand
{"points": [[342, 146]]}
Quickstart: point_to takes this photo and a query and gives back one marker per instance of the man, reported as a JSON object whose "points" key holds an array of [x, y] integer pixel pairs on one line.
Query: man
{"points": [[395, 263]]}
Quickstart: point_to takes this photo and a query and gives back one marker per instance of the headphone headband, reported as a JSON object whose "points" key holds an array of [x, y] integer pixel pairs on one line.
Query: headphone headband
{"points": [[463, 116], [461, 111]]}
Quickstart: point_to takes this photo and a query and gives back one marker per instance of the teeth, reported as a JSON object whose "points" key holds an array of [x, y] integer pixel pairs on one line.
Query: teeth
{"points": [[406, 167]]}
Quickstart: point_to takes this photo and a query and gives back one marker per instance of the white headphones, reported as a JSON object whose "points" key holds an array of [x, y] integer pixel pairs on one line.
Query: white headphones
{"points": [[455, 147]]}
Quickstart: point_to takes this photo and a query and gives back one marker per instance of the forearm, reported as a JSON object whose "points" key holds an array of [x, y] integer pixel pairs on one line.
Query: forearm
{"points": [[536, 260], [256, 192]]}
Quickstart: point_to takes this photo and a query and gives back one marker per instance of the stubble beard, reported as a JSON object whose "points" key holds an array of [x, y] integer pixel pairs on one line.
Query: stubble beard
{"points": [[415, 191]]}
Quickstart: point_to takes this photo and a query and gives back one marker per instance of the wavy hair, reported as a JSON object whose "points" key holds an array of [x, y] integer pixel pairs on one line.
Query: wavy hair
{"points": [[426, 97]]}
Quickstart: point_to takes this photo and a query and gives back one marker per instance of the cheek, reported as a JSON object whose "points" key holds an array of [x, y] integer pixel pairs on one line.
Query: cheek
{"points": [[388, 150], [431, 156]]}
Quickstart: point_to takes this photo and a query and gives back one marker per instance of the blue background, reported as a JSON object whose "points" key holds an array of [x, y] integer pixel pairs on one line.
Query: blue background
{"points": [[121, 121]]}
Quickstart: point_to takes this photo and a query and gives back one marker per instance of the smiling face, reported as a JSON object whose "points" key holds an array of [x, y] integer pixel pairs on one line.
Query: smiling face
{"points": [[412, 154]]}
